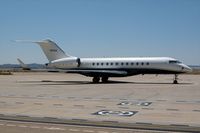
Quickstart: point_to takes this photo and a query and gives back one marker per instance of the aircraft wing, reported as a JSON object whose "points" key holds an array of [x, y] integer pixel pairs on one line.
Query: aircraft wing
{"points": [[99, 72], [92, 73]]}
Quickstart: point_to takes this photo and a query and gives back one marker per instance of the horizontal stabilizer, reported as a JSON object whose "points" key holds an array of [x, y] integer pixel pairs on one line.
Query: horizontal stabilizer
{"points": [[50, 49]]}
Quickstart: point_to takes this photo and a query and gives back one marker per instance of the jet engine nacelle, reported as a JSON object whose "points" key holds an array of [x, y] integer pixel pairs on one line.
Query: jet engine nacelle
{"points": [[67, 62]]}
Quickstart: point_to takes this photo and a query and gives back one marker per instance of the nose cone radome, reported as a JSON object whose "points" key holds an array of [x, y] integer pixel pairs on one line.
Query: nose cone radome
{"points": [[186, 68]]}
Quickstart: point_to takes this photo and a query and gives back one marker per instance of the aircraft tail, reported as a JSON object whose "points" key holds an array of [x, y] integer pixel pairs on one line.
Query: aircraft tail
{"points": [[24, 66], [52, 50]]}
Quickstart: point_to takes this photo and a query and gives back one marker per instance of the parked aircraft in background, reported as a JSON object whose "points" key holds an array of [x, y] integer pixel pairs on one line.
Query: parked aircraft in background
{"points": [[22, 65], [104, 68]]}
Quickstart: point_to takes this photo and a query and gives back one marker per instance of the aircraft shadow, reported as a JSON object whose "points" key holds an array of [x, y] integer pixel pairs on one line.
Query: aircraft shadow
{"points": [[82, 82], [50, 82]]}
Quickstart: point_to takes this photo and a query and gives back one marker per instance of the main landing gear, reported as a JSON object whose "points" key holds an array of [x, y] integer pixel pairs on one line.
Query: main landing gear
{"points": [[175, 79], [97, 79], [104, 79]]}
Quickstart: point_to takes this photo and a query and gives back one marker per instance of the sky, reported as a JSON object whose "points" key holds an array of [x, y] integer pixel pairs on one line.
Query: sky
{"points": [[101, 28]]}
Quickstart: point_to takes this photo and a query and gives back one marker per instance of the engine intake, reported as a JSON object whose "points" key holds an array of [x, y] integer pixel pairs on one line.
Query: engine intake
{"points": [[67, 62]]}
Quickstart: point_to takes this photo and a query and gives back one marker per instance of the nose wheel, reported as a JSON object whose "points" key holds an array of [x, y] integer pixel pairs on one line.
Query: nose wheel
{"points": [[175, 79]]}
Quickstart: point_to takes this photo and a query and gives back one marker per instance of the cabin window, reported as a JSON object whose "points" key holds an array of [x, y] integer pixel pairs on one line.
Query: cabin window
{"points": [[122, 63], [107, 63], [174, 62], [147, 63], [127, 63], [93, 64], [116, 63], [111, 64], [97, 64], [137, 63], [102, 64], [142, 63], [132, 63]]}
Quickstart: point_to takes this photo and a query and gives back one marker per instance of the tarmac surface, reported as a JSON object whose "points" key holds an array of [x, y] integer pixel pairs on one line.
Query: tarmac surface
{"points": [[145, 100], [21, 127]]}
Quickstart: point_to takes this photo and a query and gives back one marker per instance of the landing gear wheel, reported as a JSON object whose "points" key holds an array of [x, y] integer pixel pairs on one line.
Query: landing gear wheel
{"points": [[104, 79], [175, 79], [95, 80], [175, 82]]}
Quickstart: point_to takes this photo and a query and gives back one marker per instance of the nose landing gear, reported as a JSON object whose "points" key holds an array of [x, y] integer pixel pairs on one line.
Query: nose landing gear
{"points": [[175, 79]]}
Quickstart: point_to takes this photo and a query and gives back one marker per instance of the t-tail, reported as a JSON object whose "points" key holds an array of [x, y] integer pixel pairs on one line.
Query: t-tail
{"points": [[52, 50]]}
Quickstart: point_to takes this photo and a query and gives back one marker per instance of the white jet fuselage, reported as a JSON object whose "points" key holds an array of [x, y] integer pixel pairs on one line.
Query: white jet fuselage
{"points": [[109, 67], [133, 66]]}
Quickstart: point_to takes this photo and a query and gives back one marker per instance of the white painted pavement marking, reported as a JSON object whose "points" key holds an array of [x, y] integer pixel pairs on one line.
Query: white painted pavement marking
{"points": [[102, 132], [35, 127], [1, 124], [23, 126], [74, 130], [54, 128], [10, 125], [88, 131]]}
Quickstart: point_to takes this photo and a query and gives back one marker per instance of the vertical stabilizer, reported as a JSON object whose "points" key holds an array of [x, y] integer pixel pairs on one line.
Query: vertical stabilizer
{"points": [[52, 50]]}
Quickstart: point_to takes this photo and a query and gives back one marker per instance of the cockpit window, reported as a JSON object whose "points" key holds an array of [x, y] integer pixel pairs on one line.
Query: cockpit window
{"points": [[174, 62]]}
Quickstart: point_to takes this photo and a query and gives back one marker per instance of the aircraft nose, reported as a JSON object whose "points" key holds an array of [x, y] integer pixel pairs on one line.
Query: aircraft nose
{"points": [[186, 68]]}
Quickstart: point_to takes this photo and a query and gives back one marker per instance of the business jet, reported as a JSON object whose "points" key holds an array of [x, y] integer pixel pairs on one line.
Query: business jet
{"points": [[104, 68], [23, 65]]}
